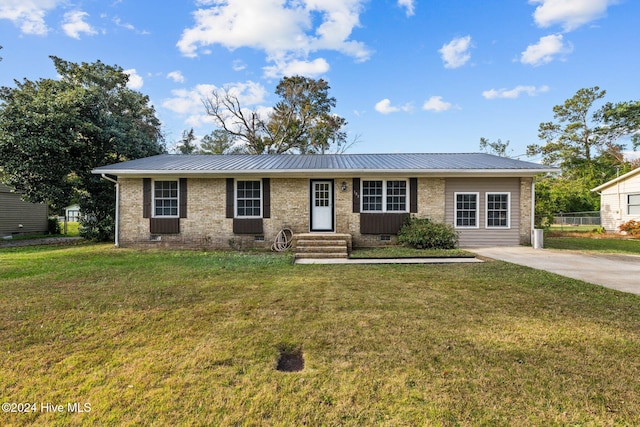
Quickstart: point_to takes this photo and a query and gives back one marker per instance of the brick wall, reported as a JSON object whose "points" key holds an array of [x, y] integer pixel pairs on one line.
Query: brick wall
{"points": [[206, 224], [525, 210]]}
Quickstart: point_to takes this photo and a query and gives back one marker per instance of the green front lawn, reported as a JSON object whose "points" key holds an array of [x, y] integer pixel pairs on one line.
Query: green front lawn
{"points": [[606, 245], [192, 338], [405, 252]]}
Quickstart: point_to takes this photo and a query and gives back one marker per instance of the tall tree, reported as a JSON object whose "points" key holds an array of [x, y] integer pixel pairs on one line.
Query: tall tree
{"points": [[54, 132], [498, 147], [586, 144], [300, 122], [574, 136], [621, 120], [219, 142], [187, 143]]}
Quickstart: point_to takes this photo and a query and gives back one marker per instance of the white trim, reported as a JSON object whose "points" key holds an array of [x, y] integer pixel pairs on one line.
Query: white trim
{"points": [[235, 199], [384, 195], [455, 209], [332, 205], [153, 198], [486, 210]]}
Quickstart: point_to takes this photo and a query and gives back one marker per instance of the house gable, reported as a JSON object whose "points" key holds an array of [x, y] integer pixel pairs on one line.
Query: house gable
{"points": [[619, 200]]}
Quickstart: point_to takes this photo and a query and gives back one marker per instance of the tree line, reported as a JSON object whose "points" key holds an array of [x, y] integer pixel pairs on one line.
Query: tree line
{"points": [[587, 144], [53, 132]]}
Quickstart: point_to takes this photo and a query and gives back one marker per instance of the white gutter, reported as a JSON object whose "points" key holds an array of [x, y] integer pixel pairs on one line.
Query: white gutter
{"points": [[329, 172], [117, 243]]}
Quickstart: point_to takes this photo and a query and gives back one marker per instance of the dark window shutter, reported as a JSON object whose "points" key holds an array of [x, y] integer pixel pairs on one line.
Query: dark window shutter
{"points": [[230, 197], [146, 197], [356, 195], [266, 198], [413, 195], [183, 197]]}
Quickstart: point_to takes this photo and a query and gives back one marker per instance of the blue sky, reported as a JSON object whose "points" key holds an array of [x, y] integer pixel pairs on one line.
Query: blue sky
{"points": [[408, 75]]}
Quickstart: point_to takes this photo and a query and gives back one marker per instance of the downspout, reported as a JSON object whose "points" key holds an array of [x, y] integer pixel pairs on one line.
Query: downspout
{"points": [[117, 243], [533, 207]]}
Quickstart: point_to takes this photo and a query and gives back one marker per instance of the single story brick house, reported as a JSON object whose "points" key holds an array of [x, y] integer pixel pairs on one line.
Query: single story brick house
{"points": [[619, 200], [215, 200]]}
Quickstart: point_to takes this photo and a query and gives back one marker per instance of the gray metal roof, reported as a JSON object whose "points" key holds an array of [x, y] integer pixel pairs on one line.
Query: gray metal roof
{"points": [[174, 164]]}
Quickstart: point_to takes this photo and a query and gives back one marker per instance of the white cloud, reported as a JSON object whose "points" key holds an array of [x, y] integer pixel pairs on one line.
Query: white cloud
{"points": [[295, 67], [135, 80], [515, 92], [176, 76], [571, 14], [545, 50], [436, 104], [409, 5], [385, 107], [74, 24], [239, 65], [188, 103], [28, 14], [285, 30], [456, 53]]}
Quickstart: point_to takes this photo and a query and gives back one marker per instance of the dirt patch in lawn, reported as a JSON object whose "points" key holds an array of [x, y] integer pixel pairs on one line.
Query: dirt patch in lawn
{"points": [[290, 358]]}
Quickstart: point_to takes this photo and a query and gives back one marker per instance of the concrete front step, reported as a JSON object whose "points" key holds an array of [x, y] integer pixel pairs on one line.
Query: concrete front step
{"points": [[322, 245], [317, 255], [322, 249], [328, 242]]}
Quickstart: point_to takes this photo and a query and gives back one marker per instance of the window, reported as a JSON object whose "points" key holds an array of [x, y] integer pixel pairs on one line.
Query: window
{"points": [[165, 199], [497, 210], [384, 196], [372, 195], [322, 196], [633, 204], [466, 210], [396, 196], [248, 199]]}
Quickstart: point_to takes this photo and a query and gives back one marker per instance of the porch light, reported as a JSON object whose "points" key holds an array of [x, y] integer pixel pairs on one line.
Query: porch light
{"points": [[343, 186]]}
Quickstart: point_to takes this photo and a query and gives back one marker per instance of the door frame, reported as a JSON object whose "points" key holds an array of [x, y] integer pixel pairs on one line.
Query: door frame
{"points": [[332, 194]]}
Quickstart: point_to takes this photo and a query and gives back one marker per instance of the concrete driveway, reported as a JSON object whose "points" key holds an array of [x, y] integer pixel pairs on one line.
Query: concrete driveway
{"points": [[621, 272]]}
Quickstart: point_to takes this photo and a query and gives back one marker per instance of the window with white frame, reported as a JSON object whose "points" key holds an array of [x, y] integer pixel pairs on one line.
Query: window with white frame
{"points": [[384, 196], [497, 210], [248, 199], [466, 210], [165, 199], [396, 196], [633, 204]]}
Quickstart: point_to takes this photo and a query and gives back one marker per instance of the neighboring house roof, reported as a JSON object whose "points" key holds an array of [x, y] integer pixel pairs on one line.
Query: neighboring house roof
{"points": [[616, 180], [292, 164]]}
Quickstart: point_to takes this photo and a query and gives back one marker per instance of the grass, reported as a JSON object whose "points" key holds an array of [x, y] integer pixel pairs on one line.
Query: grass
{"points": [[603, 243], [404, 252], [72, 231], [193, 338]]}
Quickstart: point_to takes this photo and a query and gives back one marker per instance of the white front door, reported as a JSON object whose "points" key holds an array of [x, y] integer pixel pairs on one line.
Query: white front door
{"points": [[322, 205]]}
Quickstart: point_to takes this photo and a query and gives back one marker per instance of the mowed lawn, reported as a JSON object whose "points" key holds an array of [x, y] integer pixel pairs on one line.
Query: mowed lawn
{"points": [[192, 338]]}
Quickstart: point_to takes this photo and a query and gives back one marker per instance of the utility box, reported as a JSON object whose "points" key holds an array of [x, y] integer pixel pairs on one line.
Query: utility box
{"points": [[538, 238]]}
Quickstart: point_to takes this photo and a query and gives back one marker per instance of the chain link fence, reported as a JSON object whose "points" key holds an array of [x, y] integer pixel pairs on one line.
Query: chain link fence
{"points": [[576, 219]]}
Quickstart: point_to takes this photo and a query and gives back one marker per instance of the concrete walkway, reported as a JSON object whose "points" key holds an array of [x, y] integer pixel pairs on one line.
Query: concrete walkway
{"points": [[615, 271]]}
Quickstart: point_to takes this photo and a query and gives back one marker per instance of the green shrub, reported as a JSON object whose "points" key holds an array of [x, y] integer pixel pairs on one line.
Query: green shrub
{"points": [[98, 230], [631, 227], [53, 226], [422, 233]]}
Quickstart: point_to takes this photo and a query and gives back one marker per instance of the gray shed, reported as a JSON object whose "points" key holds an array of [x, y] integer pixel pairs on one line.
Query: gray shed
{"points": [[18, 216]]}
